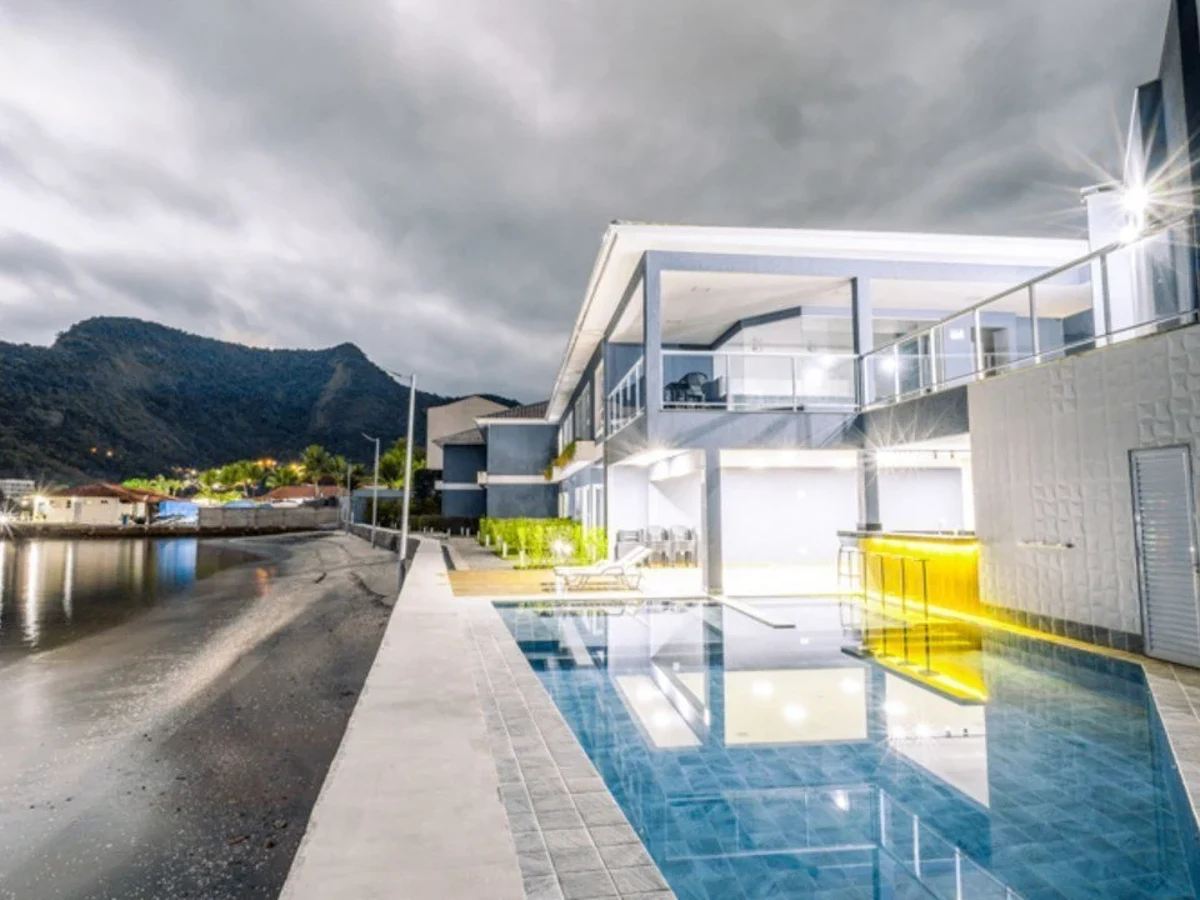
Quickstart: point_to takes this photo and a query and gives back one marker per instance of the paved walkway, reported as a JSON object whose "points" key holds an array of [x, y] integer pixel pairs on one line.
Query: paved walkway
{"points": [[469, 554], [411, 807]]}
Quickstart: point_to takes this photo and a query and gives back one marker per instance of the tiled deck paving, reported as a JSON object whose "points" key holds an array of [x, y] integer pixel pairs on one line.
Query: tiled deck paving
{"points": [[573, 841], [409, 768]]}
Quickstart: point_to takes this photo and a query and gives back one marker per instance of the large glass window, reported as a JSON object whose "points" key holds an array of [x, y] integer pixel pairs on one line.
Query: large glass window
{"points": [[583, 414], [598, 402], [566, 432]]}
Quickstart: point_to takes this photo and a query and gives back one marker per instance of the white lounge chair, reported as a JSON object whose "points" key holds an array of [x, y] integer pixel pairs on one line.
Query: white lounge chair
{"points": [[623, 573]]}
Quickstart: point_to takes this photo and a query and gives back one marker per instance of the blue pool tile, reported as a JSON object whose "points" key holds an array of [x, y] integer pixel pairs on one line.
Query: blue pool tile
{"points": [[1066, 791]]}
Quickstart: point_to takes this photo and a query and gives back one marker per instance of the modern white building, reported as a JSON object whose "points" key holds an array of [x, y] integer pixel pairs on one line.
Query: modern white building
{"points": [[765, 396]]}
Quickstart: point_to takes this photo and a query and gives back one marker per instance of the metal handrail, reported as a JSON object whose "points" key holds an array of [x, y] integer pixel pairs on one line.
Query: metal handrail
{"points": [[780, 354], [632, 377], [1104, 339], [960, 858], [1094, 255]]}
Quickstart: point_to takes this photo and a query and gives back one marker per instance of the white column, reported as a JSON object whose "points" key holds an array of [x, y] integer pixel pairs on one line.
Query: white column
{"points": [[868, 491], [968, 496], [712, 565]]}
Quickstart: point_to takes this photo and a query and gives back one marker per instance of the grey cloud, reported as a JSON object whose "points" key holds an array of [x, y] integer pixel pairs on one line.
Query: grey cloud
{"points": [[489, 155], [24, 256]]}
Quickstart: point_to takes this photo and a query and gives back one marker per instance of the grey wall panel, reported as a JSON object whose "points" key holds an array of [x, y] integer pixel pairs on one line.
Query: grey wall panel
{"points": [[470, 504], [520, 449], [522, 501], [461, 464], [718, 430], [920, 419], [1050, 448]]}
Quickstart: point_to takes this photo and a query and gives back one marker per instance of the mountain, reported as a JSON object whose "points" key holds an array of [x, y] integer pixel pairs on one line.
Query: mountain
{"points": [[117, 397]]}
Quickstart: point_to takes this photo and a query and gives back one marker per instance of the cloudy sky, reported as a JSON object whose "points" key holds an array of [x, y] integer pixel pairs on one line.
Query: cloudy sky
{"points": [[430, 179]]}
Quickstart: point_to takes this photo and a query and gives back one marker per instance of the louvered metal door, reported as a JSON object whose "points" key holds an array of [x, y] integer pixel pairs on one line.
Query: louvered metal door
{"points": [[1165, 522]]}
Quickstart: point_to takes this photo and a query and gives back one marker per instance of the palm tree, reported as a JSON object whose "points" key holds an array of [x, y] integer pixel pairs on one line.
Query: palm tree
{"points": [[317, 463], [283, 476], [391, 464]]}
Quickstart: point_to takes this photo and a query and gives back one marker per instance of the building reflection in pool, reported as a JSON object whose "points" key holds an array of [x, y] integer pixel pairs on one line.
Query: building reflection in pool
{"points": [[748, 756]]}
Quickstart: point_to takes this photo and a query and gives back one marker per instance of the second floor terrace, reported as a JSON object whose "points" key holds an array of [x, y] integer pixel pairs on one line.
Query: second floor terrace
{"points": [[684, 327]]}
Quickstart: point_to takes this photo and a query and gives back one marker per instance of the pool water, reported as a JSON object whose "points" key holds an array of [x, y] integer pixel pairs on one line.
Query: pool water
{"points": [[759, 762]]}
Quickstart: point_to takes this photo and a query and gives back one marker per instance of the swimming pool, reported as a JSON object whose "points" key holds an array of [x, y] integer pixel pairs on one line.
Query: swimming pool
{"points": [[759, 762]]}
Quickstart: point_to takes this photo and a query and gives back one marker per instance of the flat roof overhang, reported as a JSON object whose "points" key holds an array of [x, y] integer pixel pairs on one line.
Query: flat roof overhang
{"points": [[625, 243]]}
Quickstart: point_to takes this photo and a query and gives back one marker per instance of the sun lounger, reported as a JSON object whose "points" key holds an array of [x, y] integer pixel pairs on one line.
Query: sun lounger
{"points": [[622, 573]]}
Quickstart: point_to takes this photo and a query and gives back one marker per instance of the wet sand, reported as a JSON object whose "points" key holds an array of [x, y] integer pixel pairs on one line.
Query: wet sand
{"points": [[180, 753]]}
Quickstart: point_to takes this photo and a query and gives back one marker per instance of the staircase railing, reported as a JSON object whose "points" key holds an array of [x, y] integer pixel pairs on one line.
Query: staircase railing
{"points": [[940, 865]]}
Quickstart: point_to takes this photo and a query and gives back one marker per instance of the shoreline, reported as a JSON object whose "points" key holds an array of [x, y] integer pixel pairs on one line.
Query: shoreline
{"points": [[23, 531], [180, 753]]}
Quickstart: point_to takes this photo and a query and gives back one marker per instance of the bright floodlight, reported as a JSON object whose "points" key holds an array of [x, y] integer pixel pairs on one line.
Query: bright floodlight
{"points": [[1136, 200]]}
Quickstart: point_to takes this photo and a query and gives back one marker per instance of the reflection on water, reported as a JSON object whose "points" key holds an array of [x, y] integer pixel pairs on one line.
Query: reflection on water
{"points": [[53, 591], [758, 762]]}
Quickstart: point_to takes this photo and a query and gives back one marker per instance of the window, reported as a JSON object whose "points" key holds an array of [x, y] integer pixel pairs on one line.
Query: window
{"points": [[583, 414], [566, 432], [598, 395]]}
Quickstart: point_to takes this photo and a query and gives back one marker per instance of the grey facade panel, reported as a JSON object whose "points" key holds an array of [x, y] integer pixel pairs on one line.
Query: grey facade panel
{"points": [[919, 419], [467, 504], [520, 449], [461, 464], [720, 430], [522, 501]]}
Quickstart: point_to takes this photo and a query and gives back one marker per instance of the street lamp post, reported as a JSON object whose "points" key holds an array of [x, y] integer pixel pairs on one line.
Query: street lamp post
{"points": [[374, 490], [349, 500], [408, 460]]}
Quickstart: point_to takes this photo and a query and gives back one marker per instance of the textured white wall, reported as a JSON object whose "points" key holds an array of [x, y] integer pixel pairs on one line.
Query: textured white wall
{"points": [[1050, 451]]}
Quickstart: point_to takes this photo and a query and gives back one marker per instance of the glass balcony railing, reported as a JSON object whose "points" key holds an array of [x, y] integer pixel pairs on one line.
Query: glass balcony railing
{"points": [[1079, 306], [627, 400], [747, 381]]}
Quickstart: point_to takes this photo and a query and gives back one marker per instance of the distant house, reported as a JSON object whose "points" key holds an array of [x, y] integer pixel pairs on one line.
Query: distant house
{"points": [[497, 467], [14, 490], [297, 494], [100, 503], [450, 419]]}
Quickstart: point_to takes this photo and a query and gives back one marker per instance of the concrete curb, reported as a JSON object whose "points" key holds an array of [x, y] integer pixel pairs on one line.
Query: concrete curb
{"points": [[411, 805]]}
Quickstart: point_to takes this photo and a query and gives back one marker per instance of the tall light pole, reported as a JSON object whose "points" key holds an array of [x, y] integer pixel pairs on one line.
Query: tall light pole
{"points": [[374, 489], [408, 457], [349, 499]]}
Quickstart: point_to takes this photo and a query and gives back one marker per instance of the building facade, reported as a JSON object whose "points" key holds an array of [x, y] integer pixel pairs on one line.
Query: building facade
{"points": [[1033, 404], [451, 419]]}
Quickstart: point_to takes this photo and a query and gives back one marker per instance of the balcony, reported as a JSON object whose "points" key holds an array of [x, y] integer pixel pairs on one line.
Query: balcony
{"points": [[748, 381], [1119, 292], [578, 455], [627, 401]]}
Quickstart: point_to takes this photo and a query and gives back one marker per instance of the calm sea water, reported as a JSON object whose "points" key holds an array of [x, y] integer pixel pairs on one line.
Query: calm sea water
{"points": [[52, 591]]}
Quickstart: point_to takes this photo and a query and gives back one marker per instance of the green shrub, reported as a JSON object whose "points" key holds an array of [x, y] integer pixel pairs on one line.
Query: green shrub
{"points": [[545, 542]]}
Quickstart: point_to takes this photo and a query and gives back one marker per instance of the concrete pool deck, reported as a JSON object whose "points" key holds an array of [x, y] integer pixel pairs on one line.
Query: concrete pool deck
{"points": [[458, 776]]}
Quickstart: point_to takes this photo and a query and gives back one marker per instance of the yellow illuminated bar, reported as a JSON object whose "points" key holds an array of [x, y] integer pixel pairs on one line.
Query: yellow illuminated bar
{"points": [[943, 569], [911, 583]]}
